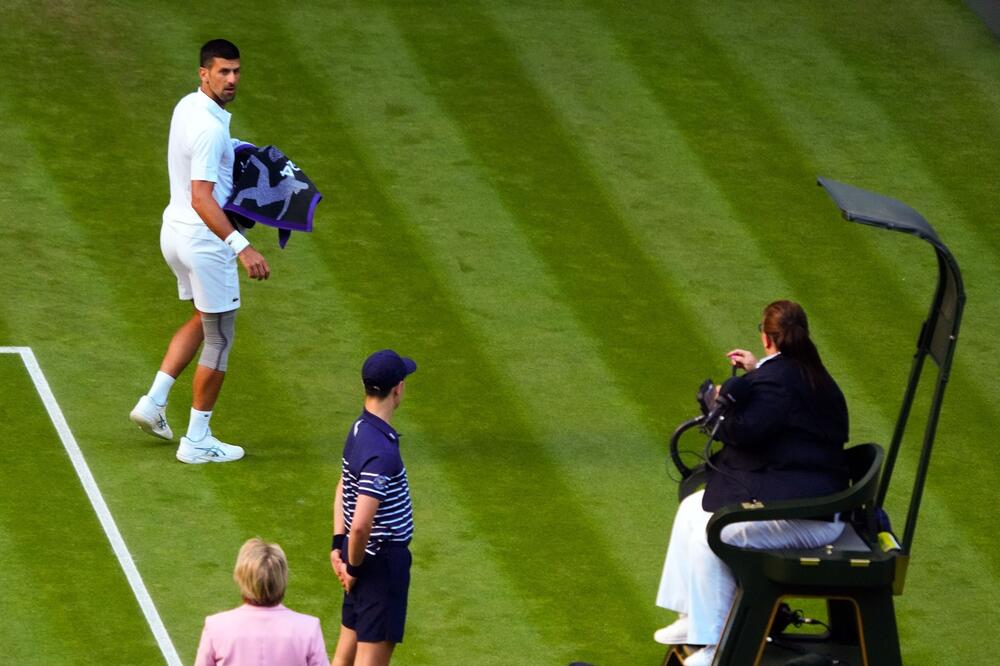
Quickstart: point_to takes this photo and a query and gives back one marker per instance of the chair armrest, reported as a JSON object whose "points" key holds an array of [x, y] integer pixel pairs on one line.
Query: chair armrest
{"points": [[804, 509], [866, 462]]}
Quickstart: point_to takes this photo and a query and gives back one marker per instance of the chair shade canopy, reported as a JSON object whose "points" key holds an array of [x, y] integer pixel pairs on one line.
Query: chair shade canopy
{"points": [[866, 207]]}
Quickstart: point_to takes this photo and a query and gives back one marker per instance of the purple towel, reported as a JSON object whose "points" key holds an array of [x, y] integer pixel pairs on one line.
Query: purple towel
{"points": [[269, 188]]}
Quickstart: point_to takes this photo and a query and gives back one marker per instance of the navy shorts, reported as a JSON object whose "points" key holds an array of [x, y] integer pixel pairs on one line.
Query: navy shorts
{"points": [[376, 607]]}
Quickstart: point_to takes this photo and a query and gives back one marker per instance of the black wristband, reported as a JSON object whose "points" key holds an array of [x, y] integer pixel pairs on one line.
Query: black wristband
{"points": [[352, 570], [338, 542]]}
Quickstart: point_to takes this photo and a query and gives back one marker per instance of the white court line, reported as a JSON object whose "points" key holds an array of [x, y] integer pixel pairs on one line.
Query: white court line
{"points": [[94, 493]]}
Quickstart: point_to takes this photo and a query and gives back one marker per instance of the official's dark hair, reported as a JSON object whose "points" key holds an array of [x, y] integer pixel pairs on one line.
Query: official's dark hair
{"points": [[218, 48], [786, 324]]}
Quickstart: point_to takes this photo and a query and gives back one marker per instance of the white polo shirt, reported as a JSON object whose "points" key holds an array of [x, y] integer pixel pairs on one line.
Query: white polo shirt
{"points": [[199, 148]]}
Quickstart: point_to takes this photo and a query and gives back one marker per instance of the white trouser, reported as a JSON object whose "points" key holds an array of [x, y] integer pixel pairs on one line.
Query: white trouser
{"points": [[697, 583]]}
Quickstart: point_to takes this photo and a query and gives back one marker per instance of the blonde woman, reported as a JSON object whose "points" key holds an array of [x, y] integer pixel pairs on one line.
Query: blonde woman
{"points": [[261, 632]]}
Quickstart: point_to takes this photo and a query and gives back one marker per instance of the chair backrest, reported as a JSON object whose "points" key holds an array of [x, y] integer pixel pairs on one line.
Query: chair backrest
{"points": [[865, 464]]}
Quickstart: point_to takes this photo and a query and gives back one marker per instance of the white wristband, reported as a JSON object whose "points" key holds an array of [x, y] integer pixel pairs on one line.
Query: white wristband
{"points": [[236, 242]]}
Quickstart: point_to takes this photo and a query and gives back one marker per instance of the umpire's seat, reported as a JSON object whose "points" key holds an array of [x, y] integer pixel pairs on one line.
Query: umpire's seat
{"points": [[854, 574], [859, 573]]}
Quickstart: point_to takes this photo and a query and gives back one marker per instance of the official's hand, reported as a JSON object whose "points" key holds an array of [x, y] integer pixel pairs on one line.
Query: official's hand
{"points": [[741, 358], [255, 263]]}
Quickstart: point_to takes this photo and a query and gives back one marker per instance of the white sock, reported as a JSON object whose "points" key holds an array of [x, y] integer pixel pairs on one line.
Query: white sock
{"points": [[198, 425], [162, 384]]}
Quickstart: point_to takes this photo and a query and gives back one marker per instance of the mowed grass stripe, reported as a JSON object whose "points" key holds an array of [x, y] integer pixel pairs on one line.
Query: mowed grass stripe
{"points": [[509, 297], [838, 125], [489, 451], [633, 311], [768, 181], [55, 554], [96, 146], [971, 418], [976, 60], [656, 184], [6, 337], [954, 121]]}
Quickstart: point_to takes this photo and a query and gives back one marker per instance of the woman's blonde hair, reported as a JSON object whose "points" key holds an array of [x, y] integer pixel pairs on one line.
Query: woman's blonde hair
{"points": [[261, 572]]}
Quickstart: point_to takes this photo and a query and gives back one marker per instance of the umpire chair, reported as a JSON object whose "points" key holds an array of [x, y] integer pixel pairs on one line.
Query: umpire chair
{"points": [[859, 574]]}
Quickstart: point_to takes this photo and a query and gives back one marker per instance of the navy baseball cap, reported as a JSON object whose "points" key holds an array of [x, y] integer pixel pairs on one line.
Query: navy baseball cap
{"points": [[385, 368]]}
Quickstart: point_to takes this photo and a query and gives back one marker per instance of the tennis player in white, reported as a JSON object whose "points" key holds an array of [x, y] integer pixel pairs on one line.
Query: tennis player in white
{"points": [[201, 247]]}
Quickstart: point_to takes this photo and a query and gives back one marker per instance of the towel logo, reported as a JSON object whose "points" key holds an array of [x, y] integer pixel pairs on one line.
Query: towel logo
{"points": [[265, 193]]}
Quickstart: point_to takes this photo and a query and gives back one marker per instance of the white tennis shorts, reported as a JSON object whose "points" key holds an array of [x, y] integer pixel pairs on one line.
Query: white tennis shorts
{"points": [[205, 268]]}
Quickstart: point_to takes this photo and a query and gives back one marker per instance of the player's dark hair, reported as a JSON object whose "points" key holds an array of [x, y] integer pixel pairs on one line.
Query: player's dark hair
{"points": [[378, 392], [218, 48], [786, 325]]}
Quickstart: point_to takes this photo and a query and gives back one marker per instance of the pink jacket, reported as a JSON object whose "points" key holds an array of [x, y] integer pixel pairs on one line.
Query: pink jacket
{"points": [[261, 636]]}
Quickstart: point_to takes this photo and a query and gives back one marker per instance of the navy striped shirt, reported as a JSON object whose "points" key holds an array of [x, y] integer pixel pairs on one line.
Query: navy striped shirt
{"points": [[372, 466]]}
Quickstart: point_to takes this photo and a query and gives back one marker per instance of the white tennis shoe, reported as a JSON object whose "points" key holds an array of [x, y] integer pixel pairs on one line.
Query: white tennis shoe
{"points": [[673, 634], [207, 450], [152, 418], [703, 657]]}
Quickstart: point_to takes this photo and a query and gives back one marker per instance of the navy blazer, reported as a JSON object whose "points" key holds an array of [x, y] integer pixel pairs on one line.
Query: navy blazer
{"points": [[782, 440]]}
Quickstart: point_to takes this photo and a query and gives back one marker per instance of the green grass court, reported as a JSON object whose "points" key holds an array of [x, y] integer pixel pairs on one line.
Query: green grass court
{"points": [[566, 212]]}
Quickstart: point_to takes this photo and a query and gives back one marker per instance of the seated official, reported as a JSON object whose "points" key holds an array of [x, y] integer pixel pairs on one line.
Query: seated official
{"points": [[783, 438], [261, 632]]}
